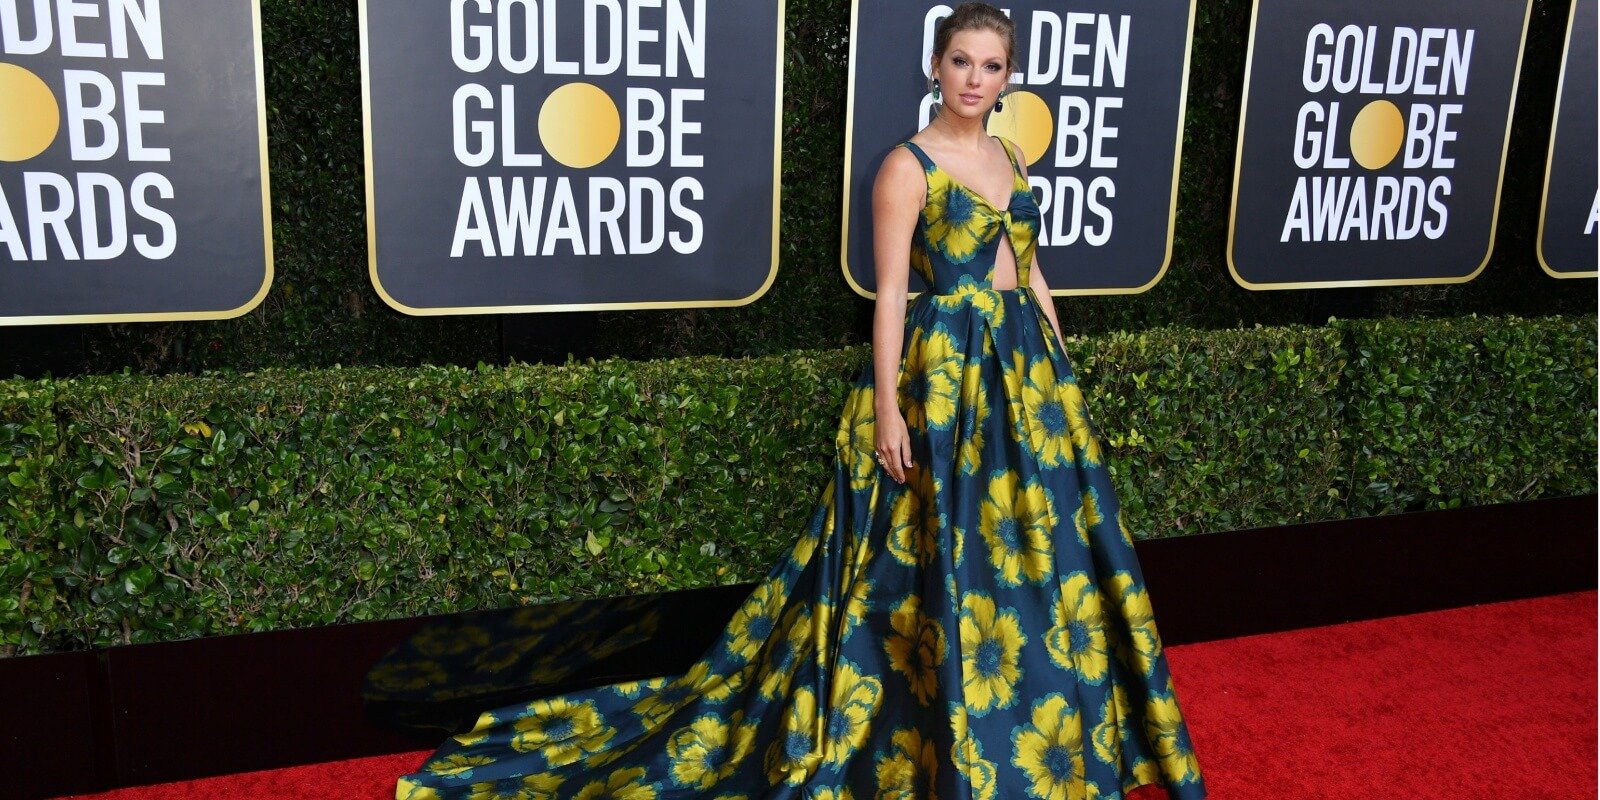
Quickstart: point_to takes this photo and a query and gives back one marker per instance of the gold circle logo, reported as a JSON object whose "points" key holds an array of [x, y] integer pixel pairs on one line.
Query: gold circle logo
{"points": [[29, 114], [579, 125], [1024, 118], [1376, 133]]}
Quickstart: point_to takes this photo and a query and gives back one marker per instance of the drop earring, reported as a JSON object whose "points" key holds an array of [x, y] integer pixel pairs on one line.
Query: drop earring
{"points": [[999, 103], [936, 88]]}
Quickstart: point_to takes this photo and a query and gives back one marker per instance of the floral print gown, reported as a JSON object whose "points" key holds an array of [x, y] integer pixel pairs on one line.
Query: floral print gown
{"points": [[980, 632]]}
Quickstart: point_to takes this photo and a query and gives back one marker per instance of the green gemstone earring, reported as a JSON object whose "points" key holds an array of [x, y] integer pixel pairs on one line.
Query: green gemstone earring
{"points": [[936, 88]]}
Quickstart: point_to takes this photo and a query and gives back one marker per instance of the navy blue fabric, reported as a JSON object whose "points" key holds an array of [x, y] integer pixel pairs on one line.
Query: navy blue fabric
{"points": [[980, 632]]}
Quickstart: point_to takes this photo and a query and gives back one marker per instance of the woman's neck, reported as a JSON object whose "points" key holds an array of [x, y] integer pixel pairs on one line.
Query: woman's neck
{"points": [[960, 132]]}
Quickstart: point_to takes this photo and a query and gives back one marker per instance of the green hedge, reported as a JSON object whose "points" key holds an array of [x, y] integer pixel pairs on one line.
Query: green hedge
{"points": [[137, 509]]}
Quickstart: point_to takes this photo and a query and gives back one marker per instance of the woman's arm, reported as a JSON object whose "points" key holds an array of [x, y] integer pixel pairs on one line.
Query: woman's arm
{"points": [[897, 198]]}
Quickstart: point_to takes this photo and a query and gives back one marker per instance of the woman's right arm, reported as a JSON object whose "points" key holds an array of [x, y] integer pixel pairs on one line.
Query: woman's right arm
{"points": [[897, 198]]}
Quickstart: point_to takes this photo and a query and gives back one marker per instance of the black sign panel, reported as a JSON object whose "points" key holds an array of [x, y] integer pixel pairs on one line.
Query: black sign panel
{"points": [[1096, 107], [545, 155], [1372, 141], [1570, 211], [133, 161]]}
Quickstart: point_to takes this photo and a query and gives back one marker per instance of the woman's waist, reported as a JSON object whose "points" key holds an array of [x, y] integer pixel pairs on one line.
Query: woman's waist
{"points": [[971, 290]]}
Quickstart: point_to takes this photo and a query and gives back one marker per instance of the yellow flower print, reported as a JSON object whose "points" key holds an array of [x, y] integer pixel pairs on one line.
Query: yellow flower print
{"points": [[991, 646], [833, 793], [968, 292], [1082, 429], [915, 519], [957, 225], [967, 754], [632, 689], [858, 604], [1044, 415], [623, 784], [1146, 770], [958, 546], [1077, 640], [916, 647], [1122, 526], [708, 750], [705, 682], [1088, 514], [1113, 728], [974, 413], [1024, 240], [821, 629], [480, 731], [533, 787], [657, 705], [1163, 723], [856, 439], [991, 306], [908, 770], [855, 699], [561, 730], [458, 765], [1049, 750], [753, 622], [1015, 523], [795, 753], [777, 667], [930, 380], [408, 789], [806, 546], [602, 758], [1134, 603], [1013, 371]]}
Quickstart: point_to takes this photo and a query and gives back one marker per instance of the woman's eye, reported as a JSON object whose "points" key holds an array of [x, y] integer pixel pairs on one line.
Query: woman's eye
{"points": [[961, 62], [993, 67]]}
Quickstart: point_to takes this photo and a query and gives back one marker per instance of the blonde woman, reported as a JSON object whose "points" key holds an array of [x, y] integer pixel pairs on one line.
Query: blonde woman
{"points": [[964, 616]]}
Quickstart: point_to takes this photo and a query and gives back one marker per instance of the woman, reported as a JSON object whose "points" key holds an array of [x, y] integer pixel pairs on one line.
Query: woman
{"points": [[964, 616]]}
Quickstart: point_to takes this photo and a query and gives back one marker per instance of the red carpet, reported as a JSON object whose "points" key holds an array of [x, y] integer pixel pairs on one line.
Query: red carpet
{"points": [[1493, 701]]}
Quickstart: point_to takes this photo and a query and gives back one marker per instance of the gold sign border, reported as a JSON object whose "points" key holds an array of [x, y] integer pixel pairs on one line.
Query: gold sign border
{"points": [[1494, 214], [434, 311], [1550, 152], [266, 229], [1172, 206]]}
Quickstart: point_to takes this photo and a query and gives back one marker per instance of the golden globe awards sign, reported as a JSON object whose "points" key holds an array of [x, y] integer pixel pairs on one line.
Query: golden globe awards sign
{"points": [[1569, 215], [1372, 140], [1096, 107], [548, 155], [132, 161]]}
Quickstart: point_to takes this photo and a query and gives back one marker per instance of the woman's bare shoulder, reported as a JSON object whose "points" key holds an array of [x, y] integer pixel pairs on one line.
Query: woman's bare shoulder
{"points": [[1014, 153], [900, 168]]}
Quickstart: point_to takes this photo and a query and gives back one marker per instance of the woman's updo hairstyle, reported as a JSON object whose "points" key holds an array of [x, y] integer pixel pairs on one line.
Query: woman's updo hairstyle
{"points": [[977, 17]]}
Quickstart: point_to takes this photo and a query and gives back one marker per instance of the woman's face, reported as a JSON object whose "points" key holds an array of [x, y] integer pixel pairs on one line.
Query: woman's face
{"points": [[972, 72]]}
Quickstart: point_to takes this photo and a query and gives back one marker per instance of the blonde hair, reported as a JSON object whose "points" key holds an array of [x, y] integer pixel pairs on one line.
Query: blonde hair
{"points": [[977, 17]]}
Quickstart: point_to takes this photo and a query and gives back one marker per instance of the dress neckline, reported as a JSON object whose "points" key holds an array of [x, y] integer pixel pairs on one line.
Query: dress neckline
{"points": [[1015, 174]]}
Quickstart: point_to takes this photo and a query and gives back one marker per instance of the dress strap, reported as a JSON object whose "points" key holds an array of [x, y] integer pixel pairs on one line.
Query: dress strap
{"points": [[1013, 156], [927, 163]]}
